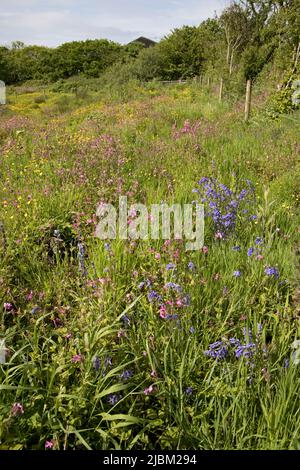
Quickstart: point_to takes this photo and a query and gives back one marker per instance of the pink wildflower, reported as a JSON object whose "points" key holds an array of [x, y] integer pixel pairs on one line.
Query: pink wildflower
{"points": [[30, 296], [163, 312], [77, 358], [8, 306], [17, 409], [49, 444], [149, 390]]}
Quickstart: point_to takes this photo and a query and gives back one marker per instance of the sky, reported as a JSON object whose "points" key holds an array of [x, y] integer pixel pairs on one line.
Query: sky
{"points": [[52, 22]]}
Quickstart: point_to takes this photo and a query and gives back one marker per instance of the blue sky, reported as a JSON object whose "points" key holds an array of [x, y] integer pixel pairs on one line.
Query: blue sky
{"points": [[52, 22]]}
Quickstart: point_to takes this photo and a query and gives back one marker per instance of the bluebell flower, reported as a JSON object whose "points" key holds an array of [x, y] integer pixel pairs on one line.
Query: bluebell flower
{"points": [[243, 194], [246, 350], [170, 266], [96, 363], [153, 296], [145, 283], [250, 252], [286, 364], [187, 300], [236, 248], [237, 273], [35, 310], [126, 320], [126, 375], [217, 350], [224, 204], [191, 266], [174, 286], [113, 399], [81, 257], [272, 272], [247, 334], [172, 317], [189, 391], [234, 342]]}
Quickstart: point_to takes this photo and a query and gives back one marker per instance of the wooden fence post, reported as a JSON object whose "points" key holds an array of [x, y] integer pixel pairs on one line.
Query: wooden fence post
{"points": [[248, 101], [221, 90]]}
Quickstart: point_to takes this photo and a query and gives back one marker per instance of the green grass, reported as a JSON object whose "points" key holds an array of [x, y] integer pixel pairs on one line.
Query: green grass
{"points": [[60, 156]]}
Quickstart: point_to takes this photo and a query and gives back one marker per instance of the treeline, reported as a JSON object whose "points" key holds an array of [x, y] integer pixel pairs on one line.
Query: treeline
{"points": [[247, 36], [19, 63]]}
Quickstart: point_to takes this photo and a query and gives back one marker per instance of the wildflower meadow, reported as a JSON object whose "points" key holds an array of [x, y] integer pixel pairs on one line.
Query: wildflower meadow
{"points": [[139, 343]]}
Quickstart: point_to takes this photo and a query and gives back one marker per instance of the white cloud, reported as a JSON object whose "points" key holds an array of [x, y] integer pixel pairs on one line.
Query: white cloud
{"points": [[52, 22]]}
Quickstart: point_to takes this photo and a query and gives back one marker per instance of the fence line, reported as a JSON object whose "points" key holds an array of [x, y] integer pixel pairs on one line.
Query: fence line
{"points": [[208, 82]]}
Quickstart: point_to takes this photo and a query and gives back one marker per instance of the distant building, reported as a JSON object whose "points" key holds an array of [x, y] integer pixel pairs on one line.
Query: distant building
{"points": [[145, 41]]}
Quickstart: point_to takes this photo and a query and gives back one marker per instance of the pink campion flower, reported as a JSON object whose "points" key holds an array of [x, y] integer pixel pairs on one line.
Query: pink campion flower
{"points": [[29, 296], [153, 374], [218, 236], [205, 250], [170, 302], [77, 358], [179, 303], [49, 444], [149, 390], [17, 409], [186, 127], [157, 256], [260, 257], [8, 306], [163, 312]]}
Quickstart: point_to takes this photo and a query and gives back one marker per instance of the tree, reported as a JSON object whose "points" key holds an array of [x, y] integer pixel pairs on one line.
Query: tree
{"points": [[182, 53], [212, 43], [236, 26], [4, 64]]}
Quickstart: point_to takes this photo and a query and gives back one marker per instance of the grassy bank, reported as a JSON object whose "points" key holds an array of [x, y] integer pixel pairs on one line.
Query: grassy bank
{"points": [[140, 344]]}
